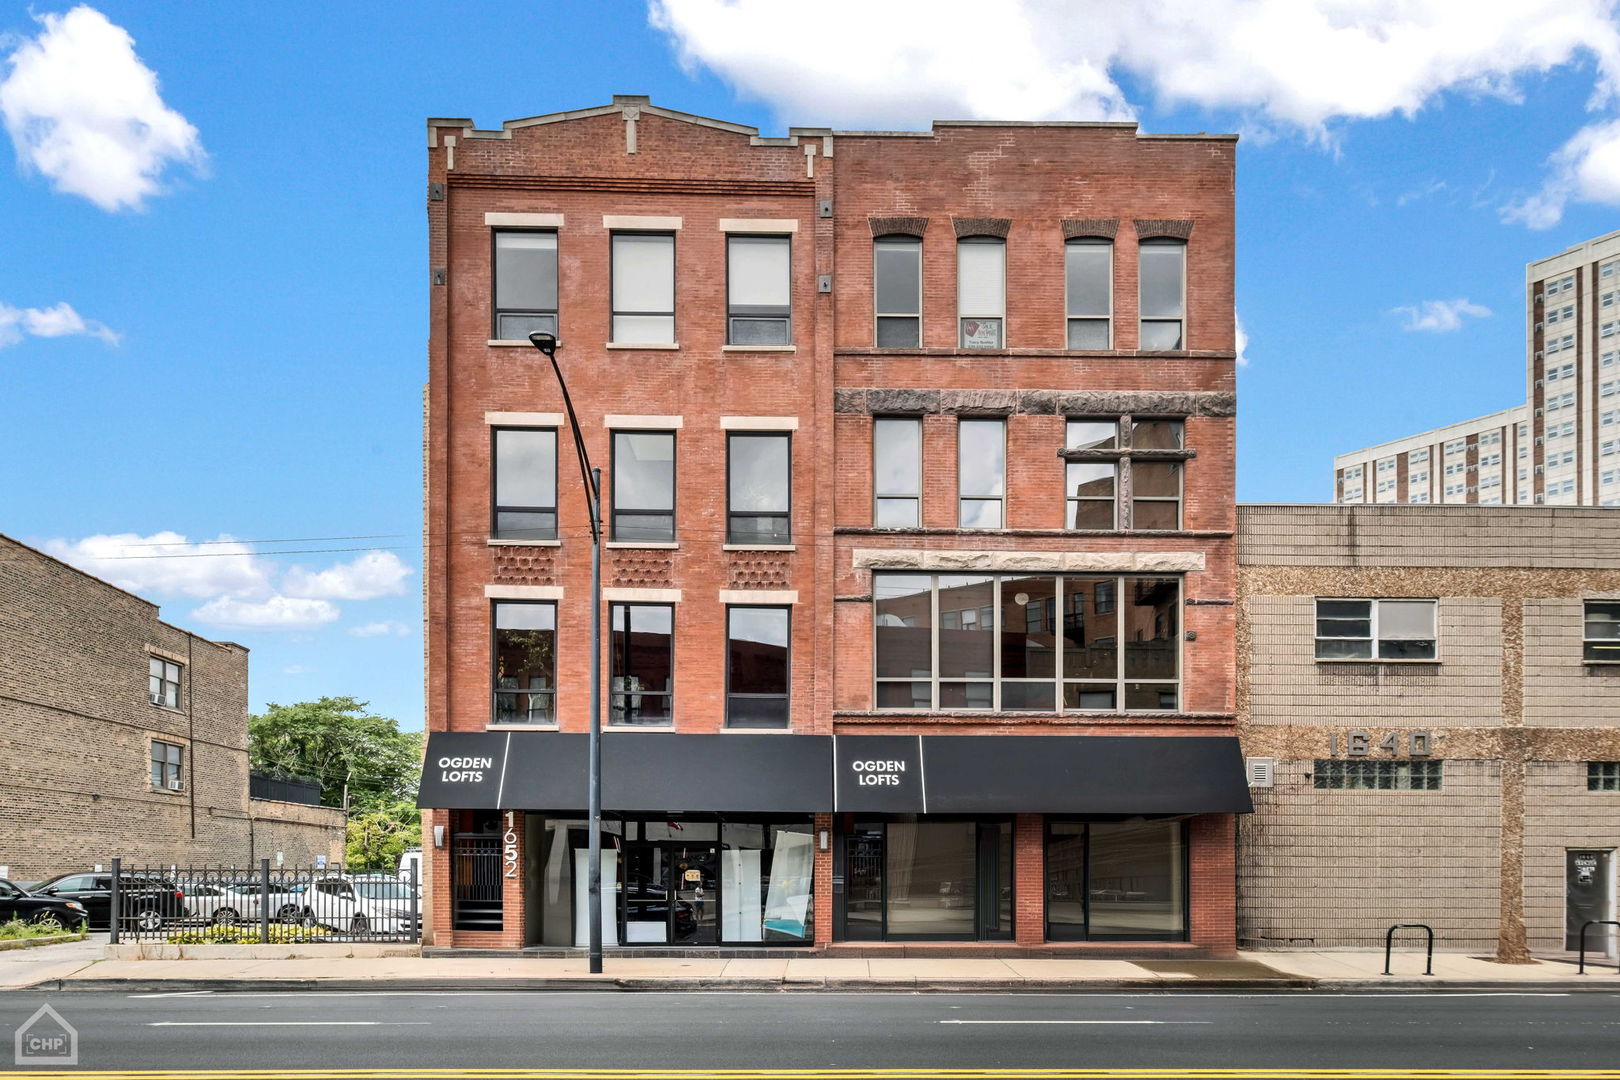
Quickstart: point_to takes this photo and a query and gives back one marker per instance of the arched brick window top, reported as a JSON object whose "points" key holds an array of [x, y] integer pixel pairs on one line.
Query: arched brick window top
{"points": [[898, 226], [1163, 228], [1090, 228], [981, 226]]}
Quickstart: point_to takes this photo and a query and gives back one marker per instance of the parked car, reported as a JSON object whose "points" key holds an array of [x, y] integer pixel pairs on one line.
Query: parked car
{"points": [[410, 864], [216, 902], [362, 907], [149, 903], [18, 903]]}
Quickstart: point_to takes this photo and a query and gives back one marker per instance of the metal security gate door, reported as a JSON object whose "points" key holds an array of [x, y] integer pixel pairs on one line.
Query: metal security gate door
{"points": [[1588, 889], [475, 882]]}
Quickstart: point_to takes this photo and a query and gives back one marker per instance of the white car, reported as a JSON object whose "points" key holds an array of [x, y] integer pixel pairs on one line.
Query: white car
{"points": [[376, 906], [222, 905]]}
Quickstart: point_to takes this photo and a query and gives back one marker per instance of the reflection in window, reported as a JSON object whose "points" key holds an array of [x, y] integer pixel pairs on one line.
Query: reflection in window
{"points": [[931, 874], [525, 483], [1027, 643], [1136, 879], [1111, 456], [1375, 629], [897, 291], [1163, 293], [1601, 637], [643, 670], [644, 485], [981, 473], [760, 489], [897, 472], [757, 667], [765, 882], [525, 662], [1090, 272]]}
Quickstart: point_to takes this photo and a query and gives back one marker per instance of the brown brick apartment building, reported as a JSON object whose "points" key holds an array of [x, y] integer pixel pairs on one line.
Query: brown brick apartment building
{"points": [[1431, 695], [121, 735], [918, 486]]}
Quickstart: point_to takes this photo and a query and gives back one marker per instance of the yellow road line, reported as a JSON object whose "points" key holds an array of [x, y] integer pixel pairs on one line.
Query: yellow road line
{"points": [[829, 1074]]}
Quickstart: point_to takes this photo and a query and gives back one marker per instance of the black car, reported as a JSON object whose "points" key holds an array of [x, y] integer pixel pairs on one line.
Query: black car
{"points": [[18, 903], [149, 903]]}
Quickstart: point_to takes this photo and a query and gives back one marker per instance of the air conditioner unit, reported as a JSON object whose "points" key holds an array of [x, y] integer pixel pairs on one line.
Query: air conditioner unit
{"points": [[1262, 771], [177, 785]]}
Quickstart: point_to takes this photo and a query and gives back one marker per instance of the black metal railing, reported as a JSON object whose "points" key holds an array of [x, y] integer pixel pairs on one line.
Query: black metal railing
{"points": [[476, 892], [1587, 925], [1389, 943], [202, 905], [278, 789]]}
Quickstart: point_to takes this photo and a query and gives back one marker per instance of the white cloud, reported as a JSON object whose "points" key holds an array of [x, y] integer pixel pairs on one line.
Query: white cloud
{"points": [[82, 109], [276, 613], [1242, 342], [386, 628], [59, 320], [1280, 65], [374, 574], [295, 669], [1440, 316], [219, 568]]}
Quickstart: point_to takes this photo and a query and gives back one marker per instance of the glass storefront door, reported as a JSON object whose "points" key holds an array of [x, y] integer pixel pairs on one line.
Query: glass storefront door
{"points": [[671, 893]]}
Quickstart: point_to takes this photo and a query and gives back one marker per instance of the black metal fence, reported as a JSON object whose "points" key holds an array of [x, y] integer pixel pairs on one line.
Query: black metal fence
{"points": [[307, 792], [208, 905]]}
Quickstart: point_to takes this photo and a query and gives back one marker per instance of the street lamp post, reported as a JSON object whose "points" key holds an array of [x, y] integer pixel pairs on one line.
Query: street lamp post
{"points": [[592, 479]]}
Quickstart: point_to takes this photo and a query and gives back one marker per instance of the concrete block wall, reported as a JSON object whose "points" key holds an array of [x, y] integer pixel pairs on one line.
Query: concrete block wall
{"points": [[1560, 814], [1560, 690]]}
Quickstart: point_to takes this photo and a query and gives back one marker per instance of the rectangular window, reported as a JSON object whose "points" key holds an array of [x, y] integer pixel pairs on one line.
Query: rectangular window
{"points": [[897, 472], [525, 484], [1035, 643], [525, 284], [1603, 776], [1110, 456], [644, 288], [1163, 293], [760, 469], [644, 486], [981, 473], [1376, 775], [642, 668], [757, 667], [981, 291], [897, 291], [759, 291], [1601, 638], [1089, 269], [168, 760], [163, 682], [1091, 485], [525, 662], [1375, 629], [1124, 880]]}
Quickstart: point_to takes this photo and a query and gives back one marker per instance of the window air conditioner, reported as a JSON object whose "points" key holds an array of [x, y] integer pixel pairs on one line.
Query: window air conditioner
{"points": [[177, 785]]}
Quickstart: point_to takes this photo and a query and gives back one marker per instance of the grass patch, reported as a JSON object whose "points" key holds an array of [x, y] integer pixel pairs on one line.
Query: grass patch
{"points": [[15, 929]]}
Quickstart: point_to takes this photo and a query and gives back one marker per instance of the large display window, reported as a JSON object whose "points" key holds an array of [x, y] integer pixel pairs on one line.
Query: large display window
{"points": [[928, 879], [1116, 880]]}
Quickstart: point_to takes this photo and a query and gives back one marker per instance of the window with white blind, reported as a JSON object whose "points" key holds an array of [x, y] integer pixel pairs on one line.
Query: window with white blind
{"points": [[897, 291], [758, 290], [644, 288], [981, 291], [525, 284], [1089, 266], [1163, 293]]}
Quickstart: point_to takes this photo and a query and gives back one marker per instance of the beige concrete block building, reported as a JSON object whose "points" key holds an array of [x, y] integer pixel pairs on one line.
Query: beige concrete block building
{"points": [[1429, 699], [121, 735]]}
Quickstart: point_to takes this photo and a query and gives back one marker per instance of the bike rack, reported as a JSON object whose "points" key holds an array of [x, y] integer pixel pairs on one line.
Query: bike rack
{"points": [[1584, 927], [1389, 944]]}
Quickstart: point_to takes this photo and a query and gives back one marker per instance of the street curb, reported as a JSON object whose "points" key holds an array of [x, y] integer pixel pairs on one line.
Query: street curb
{"points": [[39, 942]]}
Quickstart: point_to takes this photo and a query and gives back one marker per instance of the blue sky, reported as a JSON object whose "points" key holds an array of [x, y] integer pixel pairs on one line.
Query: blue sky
{"points": [[244, 348]]}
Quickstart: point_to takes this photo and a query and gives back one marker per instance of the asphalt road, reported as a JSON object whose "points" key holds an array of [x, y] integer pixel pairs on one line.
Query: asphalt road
{"points": [[922, 1034]]}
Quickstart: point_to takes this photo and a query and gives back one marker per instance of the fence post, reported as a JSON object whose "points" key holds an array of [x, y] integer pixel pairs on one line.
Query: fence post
{"points": [[114, 903], [264, 901], [416, 905]]}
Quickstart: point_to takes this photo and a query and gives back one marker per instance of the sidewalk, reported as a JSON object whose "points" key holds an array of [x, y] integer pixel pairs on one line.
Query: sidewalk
{"points": [[86, 966]]}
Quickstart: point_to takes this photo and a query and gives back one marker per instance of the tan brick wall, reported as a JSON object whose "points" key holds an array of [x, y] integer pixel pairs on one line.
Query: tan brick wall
{"points": [[1559, 689], [1331, 869], [1287, 685], [1560, 814]]}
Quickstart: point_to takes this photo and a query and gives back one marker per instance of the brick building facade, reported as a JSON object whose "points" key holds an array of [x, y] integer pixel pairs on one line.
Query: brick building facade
{"points": [[1431, 694], [121, 735], [917, 457]]}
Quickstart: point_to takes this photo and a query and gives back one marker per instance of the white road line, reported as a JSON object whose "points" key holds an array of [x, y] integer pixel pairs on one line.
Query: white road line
{"points": [[1131, 1022], [288, 1023]]}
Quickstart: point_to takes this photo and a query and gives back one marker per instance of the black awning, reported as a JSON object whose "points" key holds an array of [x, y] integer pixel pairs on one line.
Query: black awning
{"points": [[641, 771], [756, 773]]}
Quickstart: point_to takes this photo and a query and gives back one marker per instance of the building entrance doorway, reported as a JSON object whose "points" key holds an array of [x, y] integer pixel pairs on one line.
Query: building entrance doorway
{"points": [[919, 879], [1588, 894], [671, 893]]}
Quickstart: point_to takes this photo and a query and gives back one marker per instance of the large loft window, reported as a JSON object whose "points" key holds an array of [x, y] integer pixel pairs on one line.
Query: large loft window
{"points": [[525, 484], [1375, 629], [643, 665], [525, 284], [1124, 473], [644, 288], [1034, 643], [758, 291], [1089, 270], [644, 486], [759, 488], [897, 472], [525, 662], [1163, 293]]}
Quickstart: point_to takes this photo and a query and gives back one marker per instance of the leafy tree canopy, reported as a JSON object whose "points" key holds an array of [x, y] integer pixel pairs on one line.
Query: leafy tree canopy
{"points": [[339, 743]]}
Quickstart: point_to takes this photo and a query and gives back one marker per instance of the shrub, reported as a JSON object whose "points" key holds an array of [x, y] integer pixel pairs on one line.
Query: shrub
{"points": [[16, 929], [249, 935]]}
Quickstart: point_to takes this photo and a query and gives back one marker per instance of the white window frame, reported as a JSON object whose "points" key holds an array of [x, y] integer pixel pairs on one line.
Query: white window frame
{"points": [[963, 313], [1106, 317], [1376, 638], [913, 243]]}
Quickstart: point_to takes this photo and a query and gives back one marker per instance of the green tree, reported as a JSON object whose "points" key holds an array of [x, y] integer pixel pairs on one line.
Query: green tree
{"points": [[379, 837], [339, 743]]}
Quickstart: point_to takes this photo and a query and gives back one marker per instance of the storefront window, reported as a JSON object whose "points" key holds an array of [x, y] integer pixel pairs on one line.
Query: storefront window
{"points": [[1123, 880], [930, 870], [922, 878], [765, 880]]}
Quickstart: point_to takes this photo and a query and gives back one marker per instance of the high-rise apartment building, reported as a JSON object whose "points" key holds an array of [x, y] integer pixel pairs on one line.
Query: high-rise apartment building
{"points": [[917, 455], [1562, 447]]}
